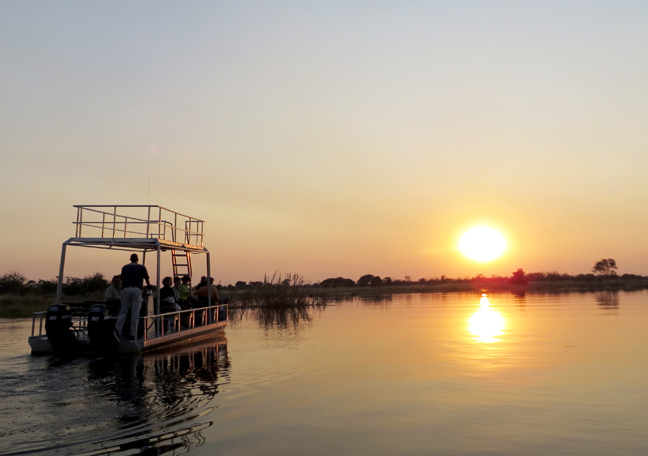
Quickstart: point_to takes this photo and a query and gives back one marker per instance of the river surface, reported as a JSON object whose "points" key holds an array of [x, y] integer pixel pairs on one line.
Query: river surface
{"points": [[423, 374]]}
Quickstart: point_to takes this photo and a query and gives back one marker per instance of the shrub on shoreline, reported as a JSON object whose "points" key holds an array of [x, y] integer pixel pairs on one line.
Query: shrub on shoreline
{"points": [[16, 284]]}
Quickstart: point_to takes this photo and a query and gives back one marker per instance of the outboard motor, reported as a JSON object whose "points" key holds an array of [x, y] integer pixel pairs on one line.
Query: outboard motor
{"points": [[101, 330], [58, 327]]}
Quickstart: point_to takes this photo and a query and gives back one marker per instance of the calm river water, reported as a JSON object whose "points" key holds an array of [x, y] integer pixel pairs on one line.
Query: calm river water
{"points": [[435, 374]]}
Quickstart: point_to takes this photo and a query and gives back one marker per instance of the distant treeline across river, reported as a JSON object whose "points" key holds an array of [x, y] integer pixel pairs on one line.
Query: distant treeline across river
{"points": [[15, 283]]}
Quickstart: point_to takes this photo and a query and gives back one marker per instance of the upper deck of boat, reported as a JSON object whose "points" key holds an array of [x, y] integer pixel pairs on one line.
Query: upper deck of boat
{"points": [[137, 227]]}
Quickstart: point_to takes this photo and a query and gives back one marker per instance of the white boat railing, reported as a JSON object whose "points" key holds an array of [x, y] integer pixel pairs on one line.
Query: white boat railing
{"points": [[138, 222], [79, 324], [155, 326], [165, 324]]}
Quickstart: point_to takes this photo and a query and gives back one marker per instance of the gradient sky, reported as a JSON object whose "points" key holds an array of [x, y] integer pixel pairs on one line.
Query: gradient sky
{"points": [[330, 138]]}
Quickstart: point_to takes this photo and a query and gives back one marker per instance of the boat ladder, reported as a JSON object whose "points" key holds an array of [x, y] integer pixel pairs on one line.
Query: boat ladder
{"points": [[181, 262]]}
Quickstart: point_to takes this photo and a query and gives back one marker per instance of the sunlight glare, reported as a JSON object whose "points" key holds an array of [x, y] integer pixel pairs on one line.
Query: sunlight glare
{"points": [[486, 324], [482, 244]]}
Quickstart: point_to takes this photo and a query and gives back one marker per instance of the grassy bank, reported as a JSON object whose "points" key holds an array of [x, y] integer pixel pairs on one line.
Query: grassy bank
{"points": [[276, 296], [16, 306], [276, 293], [23, 306]]}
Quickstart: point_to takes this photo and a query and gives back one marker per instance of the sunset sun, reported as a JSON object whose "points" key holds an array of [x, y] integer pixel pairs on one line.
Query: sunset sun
{"points": [[482, 244]]}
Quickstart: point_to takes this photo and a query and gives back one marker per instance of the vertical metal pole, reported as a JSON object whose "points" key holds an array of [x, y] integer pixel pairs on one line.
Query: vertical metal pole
{"points": [[148, 222], [59, 286], [157, 302], [158, 322], [114, 220], [209, 287], [80, 221]]}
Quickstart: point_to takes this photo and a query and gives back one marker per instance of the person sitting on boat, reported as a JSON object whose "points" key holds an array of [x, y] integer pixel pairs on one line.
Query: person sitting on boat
{"points": [[176, 291], [202, 293], [112, 296], [167, 297], [203, 283], [133, 276], [168, 302], [184, 293]]}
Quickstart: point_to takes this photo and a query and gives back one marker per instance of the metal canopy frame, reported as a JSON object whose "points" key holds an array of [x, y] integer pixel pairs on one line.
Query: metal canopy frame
{"points": [[136, 228]]}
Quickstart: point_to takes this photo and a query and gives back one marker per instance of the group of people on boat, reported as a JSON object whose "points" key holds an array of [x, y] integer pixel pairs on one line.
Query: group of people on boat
{"points": [[125, 293]]}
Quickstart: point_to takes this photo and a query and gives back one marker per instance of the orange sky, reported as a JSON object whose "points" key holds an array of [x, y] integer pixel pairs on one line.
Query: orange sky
{"points": [[333, 139]]}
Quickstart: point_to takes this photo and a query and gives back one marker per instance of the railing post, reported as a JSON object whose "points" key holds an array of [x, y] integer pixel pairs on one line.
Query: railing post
{"points": [[148, 222], [175, 227], [159, 222], [114, 220], [157, 282], [209, 284], [59, 286], [79, 220]]}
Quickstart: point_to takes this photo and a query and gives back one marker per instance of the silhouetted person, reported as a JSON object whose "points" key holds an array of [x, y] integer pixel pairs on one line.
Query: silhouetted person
{"points": [[133, 276], [113, 295], [168, 301], [176, 288], [203, 283], [184, 292], [203, 292]]}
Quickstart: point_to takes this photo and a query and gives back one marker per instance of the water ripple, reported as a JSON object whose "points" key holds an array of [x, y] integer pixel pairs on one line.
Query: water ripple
{"points": [[131, 405]]}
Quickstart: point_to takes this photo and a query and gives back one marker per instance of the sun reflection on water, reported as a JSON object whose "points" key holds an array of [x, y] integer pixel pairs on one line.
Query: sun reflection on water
{"points": [[486, 324]]}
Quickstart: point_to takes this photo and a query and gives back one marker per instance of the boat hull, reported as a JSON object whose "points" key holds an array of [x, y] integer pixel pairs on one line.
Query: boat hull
{"points": [[40, 344]]}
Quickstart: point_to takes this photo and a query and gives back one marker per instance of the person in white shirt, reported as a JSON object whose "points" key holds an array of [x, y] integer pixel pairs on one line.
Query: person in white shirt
{"points": [[112, 296]]}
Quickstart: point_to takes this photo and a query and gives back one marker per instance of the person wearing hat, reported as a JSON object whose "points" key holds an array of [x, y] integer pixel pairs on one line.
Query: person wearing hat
{"points": [[133, 276]]}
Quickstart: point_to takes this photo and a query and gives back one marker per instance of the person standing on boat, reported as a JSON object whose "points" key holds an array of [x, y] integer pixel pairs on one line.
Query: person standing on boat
{"points": [[133, 276]]}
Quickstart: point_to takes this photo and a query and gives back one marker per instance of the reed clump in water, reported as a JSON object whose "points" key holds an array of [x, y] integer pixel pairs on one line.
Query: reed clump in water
{"points": [[277, 291]]}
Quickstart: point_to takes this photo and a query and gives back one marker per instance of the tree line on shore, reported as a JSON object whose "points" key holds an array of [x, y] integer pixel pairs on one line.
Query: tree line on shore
{"points": [[17, 284], [603, 270]]}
